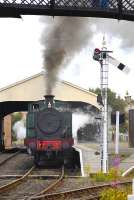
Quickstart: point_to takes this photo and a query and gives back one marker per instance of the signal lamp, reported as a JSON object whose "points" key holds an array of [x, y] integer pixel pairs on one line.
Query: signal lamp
{"points": [[96, 55]]}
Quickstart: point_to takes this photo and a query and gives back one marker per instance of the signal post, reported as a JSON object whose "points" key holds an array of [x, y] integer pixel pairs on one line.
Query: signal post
{"points": [[102, 57]]}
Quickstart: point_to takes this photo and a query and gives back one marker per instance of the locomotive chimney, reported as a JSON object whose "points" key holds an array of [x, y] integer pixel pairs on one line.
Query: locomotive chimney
{"points": [[49, 101]]}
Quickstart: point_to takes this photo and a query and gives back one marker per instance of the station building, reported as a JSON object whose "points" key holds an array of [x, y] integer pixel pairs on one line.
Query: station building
{"points": [[33, 88]]}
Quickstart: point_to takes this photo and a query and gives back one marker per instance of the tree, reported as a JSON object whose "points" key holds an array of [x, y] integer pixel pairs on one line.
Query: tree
{"points": [[116, 103]]}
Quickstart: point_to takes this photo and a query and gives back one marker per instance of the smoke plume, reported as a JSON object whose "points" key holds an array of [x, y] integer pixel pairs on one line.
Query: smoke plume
{"points": [[62, 39]]}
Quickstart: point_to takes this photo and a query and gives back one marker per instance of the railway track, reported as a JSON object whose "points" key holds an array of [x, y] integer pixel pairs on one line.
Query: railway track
{"points": [[16, 188], [16, 182], [50, 187], [14, 163], [88, 193], [9, 158]]}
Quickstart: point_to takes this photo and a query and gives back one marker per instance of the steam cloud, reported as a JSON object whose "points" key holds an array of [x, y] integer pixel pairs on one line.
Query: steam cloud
{"points": [[119, 29], [20, 129], [62, 39], [80, 119]]}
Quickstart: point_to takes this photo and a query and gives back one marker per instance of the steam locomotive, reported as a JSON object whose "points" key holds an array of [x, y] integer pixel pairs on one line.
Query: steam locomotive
{"points": [[49, 132]]}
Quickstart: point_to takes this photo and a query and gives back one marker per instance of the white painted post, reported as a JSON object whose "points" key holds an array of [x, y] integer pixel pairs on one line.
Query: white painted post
{"points": [[131, 197], [133, 186], [104, 88], [117, 133]]}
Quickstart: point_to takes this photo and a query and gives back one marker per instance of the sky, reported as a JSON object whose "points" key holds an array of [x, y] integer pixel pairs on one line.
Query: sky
{"points": [[21, 53]]}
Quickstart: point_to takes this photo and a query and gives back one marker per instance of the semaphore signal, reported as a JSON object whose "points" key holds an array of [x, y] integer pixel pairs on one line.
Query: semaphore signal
{"points": [[103, 57], [119, 65], [99, 55]]}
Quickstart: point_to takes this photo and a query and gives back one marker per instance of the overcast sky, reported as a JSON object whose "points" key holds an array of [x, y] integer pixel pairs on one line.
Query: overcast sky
{"points": [[21, 53]]}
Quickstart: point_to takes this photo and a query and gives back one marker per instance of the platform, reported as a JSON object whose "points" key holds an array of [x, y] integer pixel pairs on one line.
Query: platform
{"points": [[127, 163], [90, 162], [89, 158]]}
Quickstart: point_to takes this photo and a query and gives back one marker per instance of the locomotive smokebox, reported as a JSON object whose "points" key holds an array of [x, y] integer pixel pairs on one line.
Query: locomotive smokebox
{"points": [[49, 101]]}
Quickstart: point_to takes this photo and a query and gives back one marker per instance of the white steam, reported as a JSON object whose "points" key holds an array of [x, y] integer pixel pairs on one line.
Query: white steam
{"points": [[115, 29], [79, 120], [20, 129]]}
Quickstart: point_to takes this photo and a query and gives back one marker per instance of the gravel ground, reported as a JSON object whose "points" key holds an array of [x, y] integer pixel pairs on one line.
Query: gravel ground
{"points": [[46, 172], [4, 156], [5, 181], [73, 183], [26, 189], [17, 165]]}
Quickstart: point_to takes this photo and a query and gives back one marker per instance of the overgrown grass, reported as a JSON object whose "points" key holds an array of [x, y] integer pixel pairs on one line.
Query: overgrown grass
{"points": [[115, 193], [113, 175], [87, 169]]}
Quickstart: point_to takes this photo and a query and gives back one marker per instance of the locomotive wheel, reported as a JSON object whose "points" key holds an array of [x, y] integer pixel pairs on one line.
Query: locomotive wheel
{"points": [[29, 151], [68, 158], [71, 159], [36, 159]]}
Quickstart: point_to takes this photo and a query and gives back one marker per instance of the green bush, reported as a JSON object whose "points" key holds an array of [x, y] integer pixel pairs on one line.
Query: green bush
{"points": [[17, 116], [113, 175], [115, 194], [100, 177]]}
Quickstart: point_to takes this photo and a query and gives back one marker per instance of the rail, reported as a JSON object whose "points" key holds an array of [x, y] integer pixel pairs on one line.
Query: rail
{"points": [[50, 187], [90, 192], [16, 182], [9, 158]]}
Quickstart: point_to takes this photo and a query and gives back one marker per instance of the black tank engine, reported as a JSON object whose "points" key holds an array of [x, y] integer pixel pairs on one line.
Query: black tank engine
{"points": [[49, 132]]}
